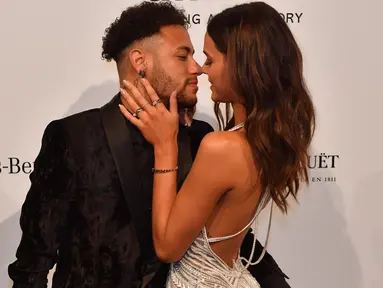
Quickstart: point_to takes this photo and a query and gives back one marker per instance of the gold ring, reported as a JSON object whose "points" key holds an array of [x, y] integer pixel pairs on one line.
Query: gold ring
{"points": [[157, 101], [138, 111]]}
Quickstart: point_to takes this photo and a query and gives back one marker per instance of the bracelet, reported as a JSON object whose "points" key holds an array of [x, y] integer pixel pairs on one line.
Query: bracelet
{"points": [[164, 170]]}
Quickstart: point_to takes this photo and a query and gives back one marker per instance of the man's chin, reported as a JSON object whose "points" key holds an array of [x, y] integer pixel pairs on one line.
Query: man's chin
{"points": [[187, 101]]}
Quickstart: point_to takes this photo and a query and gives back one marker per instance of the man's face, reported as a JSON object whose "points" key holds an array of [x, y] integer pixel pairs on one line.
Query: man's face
{"points": [[174, 68]]}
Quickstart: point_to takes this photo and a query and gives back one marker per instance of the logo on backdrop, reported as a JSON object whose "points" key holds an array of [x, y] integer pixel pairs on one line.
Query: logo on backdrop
{"points": [[14, 166], [288, 17], [322, 167]]}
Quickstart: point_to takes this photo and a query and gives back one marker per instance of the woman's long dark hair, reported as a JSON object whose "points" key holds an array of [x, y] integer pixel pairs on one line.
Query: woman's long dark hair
{"points": [[265, 66]]}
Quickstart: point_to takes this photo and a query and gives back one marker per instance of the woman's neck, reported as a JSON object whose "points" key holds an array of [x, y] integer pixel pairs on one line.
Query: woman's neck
{"points": [[239, 112]]}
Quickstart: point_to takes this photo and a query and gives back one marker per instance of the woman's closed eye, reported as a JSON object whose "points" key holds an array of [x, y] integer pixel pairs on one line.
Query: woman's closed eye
{"points": [[208, 62]]}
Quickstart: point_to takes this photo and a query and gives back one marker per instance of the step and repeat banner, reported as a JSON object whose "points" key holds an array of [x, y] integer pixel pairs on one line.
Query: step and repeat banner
{"points": [[51, 67]]}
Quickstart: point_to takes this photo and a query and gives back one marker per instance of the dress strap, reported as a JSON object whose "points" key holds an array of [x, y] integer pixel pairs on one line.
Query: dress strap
{"points": [[223, 238], [248, 261], [261, 205]]}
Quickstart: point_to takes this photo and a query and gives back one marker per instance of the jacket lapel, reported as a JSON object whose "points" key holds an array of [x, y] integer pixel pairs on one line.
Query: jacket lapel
{"points": [[184, 156], [119, 136]]}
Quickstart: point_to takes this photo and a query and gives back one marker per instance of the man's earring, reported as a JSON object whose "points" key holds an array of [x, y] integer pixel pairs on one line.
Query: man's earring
{"points": [[141, 73]]}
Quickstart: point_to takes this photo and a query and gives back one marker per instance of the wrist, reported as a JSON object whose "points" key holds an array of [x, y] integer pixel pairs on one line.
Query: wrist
{"points": [[165, 156], [166, 149]]}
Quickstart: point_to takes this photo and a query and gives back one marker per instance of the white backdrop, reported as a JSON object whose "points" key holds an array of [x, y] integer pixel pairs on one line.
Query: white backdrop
{"points": [[50, 67]]}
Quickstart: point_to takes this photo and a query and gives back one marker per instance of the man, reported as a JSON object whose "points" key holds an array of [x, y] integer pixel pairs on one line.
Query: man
{"points": [[89, 205]]}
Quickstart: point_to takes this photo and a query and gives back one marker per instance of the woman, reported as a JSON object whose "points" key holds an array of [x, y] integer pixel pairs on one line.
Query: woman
{"points": [[255, 66]]}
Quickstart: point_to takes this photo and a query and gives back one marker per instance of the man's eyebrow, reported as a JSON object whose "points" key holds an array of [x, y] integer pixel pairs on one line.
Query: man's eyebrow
{"points": [[186, 48]]}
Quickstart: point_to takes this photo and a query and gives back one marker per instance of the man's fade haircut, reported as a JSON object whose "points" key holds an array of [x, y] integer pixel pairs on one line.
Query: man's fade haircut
{"points": [[138, 22]]}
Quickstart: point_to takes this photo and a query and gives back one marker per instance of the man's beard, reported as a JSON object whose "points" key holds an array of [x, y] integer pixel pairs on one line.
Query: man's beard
{"points": [[164, 85]]}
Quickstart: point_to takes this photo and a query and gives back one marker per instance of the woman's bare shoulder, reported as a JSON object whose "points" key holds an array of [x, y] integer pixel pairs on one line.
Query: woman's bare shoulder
{"points": [[229, 145]]}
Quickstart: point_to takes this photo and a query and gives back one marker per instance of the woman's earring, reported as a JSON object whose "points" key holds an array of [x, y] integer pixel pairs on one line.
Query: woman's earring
{"points": [[141, 73]]}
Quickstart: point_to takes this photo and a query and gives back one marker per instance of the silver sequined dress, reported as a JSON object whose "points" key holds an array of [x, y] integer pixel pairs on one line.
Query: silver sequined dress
{"points": [[202, 268]]}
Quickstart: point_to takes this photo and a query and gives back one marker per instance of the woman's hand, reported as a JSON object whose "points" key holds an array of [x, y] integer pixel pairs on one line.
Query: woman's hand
{"points": [[157, 124]]}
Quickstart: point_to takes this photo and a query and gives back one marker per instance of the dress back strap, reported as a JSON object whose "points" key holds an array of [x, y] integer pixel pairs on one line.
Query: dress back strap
{"points": [[223, 238]]}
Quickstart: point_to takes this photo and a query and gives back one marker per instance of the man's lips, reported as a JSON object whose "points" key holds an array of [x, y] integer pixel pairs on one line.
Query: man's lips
{"points": [[193, 84]]}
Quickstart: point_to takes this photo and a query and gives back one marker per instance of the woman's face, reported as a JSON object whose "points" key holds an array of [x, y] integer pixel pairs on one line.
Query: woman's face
{"points": [[215, 67]]}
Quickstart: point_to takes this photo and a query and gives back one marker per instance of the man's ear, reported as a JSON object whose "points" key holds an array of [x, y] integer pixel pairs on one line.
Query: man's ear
{"points": [[137, 59]]}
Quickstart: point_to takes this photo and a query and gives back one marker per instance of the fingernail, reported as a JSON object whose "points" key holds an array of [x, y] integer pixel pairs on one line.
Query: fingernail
{"points": [[127, 83], [122, 107], [123, 92], [143, 80]]}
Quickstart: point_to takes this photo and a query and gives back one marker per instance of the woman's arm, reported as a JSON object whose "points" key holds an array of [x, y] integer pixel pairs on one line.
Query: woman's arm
{"points": [[179, 218]]}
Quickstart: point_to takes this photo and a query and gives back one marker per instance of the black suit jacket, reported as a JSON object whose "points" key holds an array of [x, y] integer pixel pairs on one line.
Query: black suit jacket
{"points": [[88, 209]]}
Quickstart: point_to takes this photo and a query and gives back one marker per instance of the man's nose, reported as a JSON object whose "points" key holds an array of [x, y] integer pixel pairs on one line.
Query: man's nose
{"points": [[195, 69]]}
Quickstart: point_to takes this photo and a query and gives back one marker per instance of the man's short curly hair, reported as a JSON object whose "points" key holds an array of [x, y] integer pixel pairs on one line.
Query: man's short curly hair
{"points": [[138, 22]]}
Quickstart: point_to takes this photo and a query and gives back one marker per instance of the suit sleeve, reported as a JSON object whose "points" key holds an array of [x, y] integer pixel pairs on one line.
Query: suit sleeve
{"points": [[207, 128], [267, 272], [44, 212]]}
